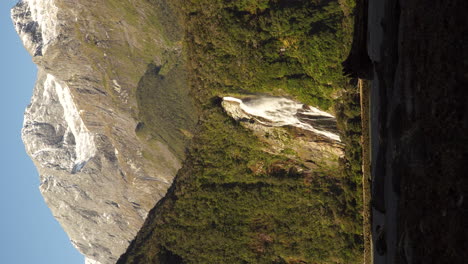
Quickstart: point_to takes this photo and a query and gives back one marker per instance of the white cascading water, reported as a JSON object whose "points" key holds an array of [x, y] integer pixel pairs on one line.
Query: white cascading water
{"points": [[280, 111]]}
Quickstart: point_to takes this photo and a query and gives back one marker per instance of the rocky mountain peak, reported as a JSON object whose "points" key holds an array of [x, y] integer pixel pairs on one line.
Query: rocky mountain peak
{"points": [[36, 22], [80, 127]]}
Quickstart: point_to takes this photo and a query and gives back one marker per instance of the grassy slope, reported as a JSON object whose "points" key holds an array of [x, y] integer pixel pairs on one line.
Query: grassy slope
{"points": [[232, 202], [165, 107], [142, 43]]}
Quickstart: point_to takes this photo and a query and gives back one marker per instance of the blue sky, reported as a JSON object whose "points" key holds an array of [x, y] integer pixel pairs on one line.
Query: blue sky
{"points": [[28, 232]]}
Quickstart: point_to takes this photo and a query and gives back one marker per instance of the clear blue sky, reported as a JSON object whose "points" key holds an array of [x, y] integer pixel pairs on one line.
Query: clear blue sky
{"points": [[28, 232]]}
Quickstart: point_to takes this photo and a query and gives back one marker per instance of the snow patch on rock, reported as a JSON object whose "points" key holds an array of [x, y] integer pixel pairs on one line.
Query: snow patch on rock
{"points": [[53, 130], [91, 261], [36, 22], [117, 87], [84, 140]]}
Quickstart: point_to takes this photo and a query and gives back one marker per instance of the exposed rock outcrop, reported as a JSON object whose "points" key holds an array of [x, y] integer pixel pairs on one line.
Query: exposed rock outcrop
{"points": [[80, 126], [287, 126]]}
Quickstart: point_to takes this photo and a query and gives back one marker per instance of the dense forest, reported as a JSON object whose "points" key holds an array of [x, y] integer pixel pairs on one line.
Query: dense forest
{"points": [[232, 202]]}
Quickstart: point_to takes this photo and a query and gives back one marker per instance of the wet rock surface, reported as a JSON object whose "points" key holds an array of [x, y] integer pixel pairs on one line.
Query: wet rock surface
{"points": [[288, 126]]}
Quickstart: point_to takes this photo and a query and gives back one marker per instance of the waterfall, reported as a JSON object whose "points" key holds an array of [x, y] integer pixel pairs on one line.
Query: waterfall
{"points": [[280, 111]]}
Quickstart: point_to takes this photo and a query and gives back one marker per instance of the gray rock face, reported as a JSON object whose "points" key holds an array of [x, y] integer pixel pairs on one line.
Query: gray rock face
{"points": [[80, 126]]}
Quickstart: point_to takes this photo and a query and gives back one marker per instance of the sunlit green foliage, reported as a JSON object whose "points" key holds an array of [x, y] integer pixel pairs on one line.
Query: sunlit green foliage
{"points": [[232, 202], [348, 113], [224, 211], [279, 47]]}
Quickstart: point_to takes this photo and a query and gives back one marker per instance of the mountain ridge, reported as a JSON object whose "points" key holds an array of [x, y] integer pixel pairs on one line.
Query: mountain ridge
{"points": [[80, 128]]}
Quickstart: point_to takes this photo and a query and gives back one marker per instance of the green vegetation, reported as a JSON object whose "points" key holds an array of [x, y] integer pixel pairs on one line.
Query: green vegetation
{"points": [[136, 52], [348, 115], [279, 47], [165, 106], [232, 202], [121, 46]]}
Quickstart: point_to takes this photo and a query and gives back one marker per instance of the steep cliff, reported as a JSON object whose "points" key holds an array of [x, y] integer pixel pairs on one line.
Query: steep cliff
{"points": [[100, 176], [114, 108], [266, 179]]}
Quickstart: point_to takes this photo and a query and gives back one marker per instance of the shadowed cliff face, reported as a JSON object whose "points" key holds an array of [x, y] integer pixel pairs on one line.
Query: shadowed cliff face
{"points": [[428, 116], [419, 124], [98, 176]]}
